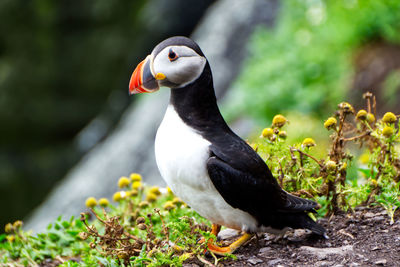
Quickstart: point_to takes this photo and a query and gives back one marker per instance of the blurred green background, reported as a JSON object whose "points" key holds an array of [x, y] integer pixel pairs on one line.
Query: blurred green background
{"points": [[319, 54], [64, 64]]}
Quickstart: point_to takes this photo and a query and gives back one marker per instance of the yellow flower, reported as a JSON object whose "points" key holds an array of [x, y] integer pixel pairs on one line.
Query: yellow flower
{"points": [[17, 224], [123, 182], [136, 185], [169, 205], [177, 201], [91, 202], [267, 132], [136, 177], [8, 228], [361, 115], [155, 190], [143, 204], [278, 121], [346, 107], [330, 123], [10, 238], [104, 202], [117, 196], [282, 134], [330, 165], [389, 117], [387, 131], [151, 197], [370, 118], [308, 142], [374, 182], [133, 192]]}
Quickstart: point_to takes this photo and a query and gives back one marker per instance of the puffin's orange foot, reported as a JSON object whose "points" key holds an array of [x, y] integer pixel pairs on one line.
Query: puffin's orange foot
{"points": [[222, 251]]}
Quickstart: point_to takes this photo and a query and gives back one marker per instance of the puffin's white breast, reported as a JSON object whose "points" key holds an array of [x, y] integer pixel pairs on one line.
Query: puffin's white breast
{"points": [[181, 156]]}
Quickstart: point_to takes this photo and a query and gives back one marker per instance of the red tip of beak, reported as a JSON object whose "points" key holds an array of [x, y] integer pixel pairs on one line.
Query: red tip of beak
{"points": [[135, 84]]}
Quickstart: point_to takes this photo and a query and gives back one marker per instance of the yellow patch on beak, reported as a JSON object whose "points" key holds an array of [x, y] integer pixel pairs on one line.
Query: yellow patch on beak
{"points": [[160, 76]]}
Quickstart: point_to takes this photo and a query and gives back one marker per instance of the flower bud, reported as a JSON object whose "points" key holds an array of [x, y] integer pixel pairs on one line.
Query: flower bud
{"points": [[330, 123], [389, 117], [308, 142], [267, 133], [361, 115], [123, 182], [387, 131], [370, 118], [91, 202], [278, 121], [282, 134], [135, 177], [104, 202]]}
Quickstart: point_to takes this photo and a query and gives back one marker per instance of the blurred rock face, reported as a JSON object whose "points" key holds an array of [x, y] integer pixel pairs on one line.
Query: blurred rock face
{"points": [[222, 35], [63, 64], [377, 70]]}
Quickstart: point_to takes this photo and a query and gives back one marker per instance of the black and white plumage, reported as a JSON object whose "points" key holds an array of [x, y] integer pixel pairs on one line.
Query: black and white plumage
{"points": [[202, 160]]}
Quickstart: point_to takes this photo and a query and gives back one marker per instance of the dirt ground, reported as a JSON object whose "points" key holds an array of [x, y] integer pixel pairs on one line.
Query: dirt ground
{"points": [[362, 238]]}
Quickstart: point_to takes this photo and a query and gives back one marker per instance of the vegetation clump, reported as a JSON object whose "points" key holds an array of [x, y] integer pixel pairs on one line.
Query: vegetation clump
{"points": [[326, 180]]}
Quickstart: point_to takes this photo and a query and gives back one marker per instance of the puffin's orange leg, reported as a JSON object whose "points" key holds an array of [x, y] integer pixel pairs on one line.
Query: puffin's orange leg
{"points": [[231, 248], [215, 228]]}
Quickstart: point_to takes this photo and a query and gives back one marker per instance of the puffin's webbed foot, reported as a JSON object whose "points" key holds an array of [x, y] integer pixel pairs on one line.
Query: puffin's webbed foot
{"points": [[222, 251]]}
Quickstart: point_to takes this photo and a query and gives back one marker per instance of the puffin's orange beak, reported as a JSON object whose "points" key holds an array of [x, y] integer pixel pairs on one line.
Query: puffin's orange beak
{"points": [[142, 80]]}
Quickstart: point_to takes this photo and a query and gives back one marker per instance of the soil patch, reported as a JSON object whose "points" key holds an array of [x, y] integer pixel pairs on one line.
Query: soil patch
{"points": [[364, 237]]}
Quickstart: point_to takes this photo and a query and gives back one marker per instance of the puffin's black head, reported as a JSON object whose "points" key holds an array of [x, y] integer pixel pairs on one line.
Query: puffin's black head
{"points": [[175, 62]]}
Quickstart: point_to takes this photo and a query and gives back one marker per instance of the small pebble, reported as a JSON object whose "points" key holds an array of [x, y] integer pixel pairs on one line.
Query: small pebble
{"points": [[254, 260], [380, 262], [264, 250]]}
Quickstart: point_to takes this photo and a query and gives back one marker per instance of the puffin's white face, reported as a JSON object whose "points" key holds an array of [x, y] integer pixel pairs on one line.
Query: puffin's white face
{"points": [[181, 65], [172, 65]]}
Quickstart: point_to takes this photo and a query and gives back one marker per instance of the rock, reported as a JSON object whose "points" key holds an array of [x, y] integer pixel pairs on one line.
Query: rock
{"points": [[322, 253], [377, 218], [228, 233], [381, 262], [265, 250], [369, 214], [254, 260], [274, 262], [298, 235]]}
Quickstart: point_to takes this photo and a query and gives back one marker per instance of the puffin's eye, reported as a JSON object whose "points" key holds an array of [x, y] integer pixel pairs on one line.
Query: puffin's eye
{"points": [[172, 56]]}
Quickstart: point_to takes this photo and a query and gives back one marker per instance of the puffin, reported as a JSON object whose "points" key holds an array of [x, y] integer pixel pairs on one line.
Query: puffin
{"points": [[203, 161]]}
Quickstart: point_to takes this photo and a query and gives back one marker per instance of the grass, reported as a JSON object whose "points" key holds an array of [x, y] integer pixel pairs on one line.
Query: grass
{"points": [[149, 226]]}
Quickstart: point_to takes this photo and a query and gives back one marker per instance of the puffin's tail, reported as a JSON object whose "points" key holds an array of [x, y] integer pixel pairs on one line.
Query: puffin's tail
{"points": [[296, 209], [302, 220], [314, 227]]}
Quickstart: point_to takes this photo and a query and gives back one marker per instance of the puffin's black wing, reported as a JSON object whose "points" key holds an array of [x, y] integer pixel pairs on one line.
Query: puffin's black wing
{"points": [[245, 182]]}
